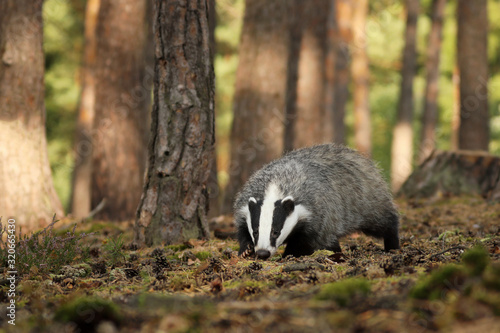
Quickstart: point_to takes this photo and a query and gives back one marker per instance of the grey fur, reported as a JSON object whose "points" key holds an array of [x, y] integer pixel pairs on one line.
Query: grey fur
{"points": [[344, 191]]}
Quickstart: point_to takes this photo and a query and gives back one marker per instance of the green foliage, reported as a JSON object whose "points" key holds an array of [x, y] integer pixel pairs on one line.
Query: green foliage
{"points": [[113, 250], [63, 47], [87, 312], [44, 251], [344, 291]]}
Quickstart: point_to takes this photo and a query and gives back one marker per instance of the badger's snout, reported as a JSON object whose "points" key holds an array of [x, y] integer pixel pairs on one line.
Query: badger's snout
{"points": [[263, 254]]}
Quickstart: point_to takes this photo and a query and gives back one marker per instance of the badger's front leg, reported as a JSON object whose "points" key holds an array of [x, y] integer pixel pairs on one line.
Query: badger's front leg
{"points": [[298, 244], [246, 243], [335, 246]]}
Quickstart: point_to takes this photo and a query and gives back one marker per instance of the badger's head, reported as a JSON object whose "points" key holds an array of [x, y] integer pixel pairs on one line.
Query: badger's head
{"points": [[271, 220]]}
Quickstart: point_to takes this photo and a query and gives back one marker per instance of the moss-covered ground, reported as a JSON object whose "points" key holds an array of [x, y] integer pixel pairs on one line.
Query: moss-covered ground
{"points": [[446, 277]]}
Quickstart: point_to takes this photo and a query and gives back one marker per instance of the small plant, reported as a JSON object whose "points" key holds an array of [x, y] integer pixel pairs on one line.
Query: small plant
{"points": [[45, 251], [113, 250]]}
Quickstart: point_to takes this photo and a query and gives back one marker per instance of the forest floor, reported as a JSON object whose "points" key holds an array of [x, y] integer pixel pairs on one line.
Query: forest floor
{"points": [[446, 277]]}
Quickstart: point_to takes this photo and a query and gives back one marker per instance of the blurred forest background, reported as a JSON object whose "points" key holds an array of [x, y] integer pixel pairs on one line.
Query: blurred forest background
{"points": [[385, 29]]}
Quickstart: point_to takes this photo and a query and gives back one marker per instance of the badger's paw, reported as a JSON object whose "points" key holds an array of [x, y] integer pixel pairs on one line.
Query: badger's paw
{"points": [[249, 252]]}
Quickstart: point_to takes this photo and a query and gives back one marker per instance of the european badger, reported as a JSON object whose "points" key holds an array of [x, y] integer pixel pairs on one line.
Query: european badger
{"points": [[309, 199]]}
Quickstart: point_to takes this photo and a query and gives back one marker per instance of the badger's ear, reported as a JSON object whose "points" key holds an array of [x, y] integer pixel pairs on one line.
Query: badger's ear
{"points": [[288, 205], [252, 202]]}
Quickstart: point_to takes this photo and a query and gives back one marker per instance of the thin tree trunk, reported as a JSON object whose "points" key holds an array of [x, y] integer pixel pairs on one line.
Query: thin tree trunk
{"points": [[213, 183], [174, 202], [430, 115], [259, 100], [361, 76], [310, 112], [455, 120], [472, 52], [28, 193], [342, 75], [332, 40], [402, 140], [82, 173], [292, 75], [123, 92]]}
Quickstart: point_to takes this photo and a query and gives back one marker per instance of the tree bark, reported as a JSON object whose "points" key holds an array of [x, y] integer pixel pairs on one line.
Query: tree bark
{"points": [[307, 123], [472, 52], [332, 41], [361, 76], [342, 73], [213, 183], [455, 120], [402, 140], [292, 74], [259, 101], [28, 193], [123, 93], [82, 173], [430, 115], [455, 173], [174, 202]]}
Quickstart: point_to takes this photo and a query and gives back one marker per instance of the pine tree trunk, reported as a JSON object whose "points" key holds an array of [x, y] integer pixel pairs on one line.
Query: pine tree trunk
{"points": [[121, 107], [332, 40], [472, 52], [342, 73], [82, 173], [361, 76], [310, 112], [213, 183], [258, 125], [174, 202], [455, 120], [402, 140], [430, 114], [28, 193], [292, 74]]}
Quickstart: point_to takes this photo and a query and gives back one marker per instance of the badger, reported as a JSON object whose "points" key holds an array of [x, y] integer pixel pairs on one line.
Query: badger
{"points": [[309, 199]]}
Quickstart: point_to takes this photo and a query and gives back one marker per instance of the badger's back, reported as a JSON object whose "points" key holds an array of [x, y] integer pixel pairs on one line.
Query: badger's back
{"points": [[344, 190]]}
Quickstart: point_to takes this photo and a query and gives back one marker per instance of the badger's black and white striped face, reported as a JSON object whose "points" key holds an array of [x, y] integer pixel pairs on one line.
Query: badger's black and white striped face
{"points": [[271, 220]]}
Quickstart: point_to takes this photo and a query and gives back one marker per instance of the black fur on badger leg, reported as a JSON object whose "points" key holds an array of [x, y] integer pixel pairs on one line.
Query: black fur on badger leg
{"points": [[388, 230], [297, 244], [391, 237], [335, 247], [245, 240]]}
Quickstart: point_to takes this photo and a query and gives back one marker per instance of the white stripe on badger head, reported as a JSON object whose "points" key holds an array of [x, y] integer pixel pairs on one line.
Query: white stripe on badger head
{"points": [[300, 212], [271, 195], [245, 211]]}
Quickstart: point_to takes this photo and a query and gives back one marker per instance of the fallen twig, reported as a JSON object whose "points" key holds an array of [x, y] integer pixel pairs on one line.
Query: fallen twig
{"points": [[459, 247]]}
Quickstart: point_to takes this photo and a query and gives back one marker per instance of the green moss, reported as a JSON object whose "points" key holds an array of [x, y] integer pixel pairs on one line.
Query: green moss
{"points": [[476, 260], [238, 284], [491, 277], [177, 247], [322, 253], [87, 312], [343, 291], [432, 286], [203, 255]]}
